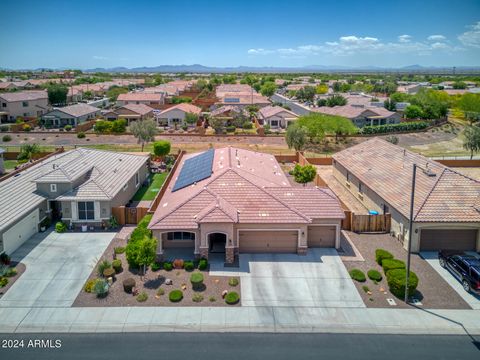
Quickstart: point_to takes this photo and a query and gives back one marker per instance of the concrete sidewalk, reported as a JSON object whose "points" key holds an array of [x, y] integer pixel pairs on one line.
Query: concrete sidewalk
{"points": [[239, 319]]}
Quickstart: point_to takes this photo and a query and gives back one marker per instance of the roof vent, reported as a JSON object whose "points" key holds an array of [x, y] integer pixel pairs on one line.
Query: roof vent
{"points": [[427, 171]]}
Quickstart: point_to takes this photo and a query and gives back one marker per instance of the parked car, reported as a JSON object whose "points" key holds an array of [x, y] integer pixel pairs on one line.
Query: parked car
{"points": [[465, 268]]}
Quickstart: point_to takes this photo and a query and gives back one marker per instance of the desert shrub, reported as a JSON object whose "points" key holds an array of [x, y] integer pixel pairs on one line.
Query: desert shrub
{"points": [[26, 128], [391, 264], [374, 275], [102, 266], [11, 272], [119, 250], [6, 138], [247, 125], [396, 282], [119, 126], [128, 285], [202, 264], [233, 281], [212, 299], [230, 129], [3, 282], [196, 279], [68, 127], [142, 297], [101, 288], [89, 285], [381, 254], [4, 128], [391, 128], [197, 297], [178, 263], [232, 298], [117, 265], [357, 275], [167, 266], [109, 272], [81, 135], [175, 295], [160, 291], [155, 266], [188, 265], [365, 288], [60, 227]]}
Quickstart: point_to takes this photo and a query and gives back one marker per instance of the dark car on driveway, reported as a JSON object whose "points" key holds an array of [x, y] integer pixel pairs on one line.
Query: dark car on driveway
{"points": [[465, 268]]}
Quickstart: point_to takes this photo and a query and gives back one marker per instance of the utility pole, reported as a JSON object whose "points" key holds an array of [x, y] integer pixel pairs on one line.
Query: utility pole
{"points": [[410, 228]]}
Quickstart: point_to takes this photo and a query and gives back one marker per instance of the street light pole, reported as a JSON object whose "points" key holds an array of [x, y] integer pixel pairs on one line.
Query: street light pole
{"points": [[410, 228]]}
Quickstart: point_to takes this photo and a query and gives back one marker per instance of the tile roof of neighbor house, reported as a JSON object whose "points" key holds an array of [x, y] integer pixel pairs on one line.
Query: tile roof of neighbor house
{"points": [[243, 99], [140, 96], [77, 110], [106, 173], [24, 95], [225, 109], [141, 109], [245, 187], [449, 196], [186, 107], [268, 111], [351, 111]]}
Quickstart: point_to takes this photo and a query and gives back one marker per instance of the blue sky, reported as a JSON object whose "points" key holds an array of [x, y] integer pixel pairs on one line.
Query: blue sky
{"points": [[87, 34]]}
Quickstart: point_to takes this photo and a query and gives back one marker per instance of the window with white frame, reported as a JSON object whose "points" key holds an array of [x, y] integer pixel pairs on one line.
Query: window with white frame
{"points": [[53, 187], [86, 210], [180, 235]]}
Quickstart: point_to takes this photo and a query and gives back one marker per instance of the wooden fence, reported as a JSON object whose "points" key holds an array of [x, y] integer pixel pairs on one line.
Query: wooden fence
{"points": [[370, 223], [85, 126], [128, 215], [19, 127]]}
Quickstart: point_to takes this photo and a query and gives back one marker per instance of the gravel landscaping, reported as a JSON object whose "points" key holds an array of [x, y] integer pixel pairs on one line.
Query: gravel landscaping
{"points": [[207, 294], [432, 291], [20, 269]]}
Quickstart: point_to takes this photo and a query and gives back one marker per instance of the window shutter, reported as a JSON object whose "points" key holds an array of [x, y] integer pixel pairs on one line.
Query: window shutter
{"points": [[96, 206], [74, 210]]}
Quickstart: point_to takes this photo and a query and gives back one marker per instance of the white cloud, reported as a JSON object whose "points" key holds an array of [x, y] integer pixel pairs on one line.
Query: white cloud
{"points": [[471, 37], [436, 38], [98, 57], [404, 38]]}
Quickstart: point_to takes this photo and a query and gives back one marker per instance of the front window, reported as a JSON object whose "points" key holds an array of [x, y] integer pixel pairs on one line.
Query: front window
{"points": [[180, 235], [53, 187], [25, 103], [274, 123], [86, 210]]}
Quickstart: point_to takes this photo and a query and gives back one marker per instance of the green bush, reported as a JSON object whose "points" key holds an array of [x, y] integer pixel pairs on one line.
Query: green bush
{"points": [[26, 128], [233, 281], [390, 128], [109, 272], [391, 264], [167, 266], [11, 272], [196, 279], [357, 275], [202, 264], [396, 282], [142, 297], [381, 254], [60, 227], [81, 135], [68, 127], [197, 297], [4, 128], [102, 266], [119, 250], [6, 138], [161, 148], [175, 295], [89, 285], [101, 288], [103, 126], [119, 126], [117, 265], [128, 285], [155, 266], [247, 125], [3, 282], [374, 275], [188, 265], [232, 298], [160, 291], [230, 129]]}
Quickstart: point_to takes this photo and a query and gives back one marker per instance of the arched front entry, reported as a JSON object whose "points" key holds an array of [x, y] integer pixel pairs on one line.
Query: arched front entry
{"points": [[217, 242]]}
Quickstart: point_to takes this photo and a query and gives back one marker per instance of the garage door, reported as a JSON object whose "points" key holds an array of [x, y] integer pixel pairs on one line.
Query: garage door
{"points": [[321, 236], [268, 241], [448, 239], [21, 232]]}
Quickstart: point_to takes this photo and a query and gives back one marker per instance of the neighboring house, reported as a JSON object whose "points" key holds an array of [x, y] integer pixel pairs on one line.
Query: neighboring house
{"points": [[130, 112], [276, 116], [2, 165], [362, 116], [78, 187], [153, 100], [240, 95], [447, 203], [227, 112], [22, 104], [234, 201], [175, 115], [70, 115]]}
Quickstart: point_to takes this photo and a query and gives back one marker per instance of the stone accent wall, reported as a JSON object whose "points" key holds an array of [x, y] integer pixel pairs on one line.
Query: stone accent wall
{"points": [[229, 255], [302, 250], [204, 252]]}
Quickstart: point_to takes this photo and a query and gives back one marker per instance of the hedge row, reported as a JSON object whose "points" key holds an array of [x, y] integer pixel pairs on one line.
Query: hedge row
{"points": [[391, 128]]}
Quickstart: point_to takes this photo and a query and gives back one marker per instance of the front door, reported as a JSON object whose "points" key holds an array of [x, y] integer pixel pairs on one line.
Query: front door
{"points": [[217, 242]]}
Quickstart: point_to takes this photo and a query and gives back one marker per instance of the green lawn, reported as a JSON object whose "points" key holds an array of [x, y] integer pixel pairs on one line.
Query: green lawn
{"points": [[10, 164], [149, 192]]}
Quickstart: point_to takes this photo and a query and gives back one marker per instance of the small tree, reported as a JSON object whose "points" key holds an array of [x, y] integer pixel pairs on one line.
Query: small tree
{"points": [[28, 152], [57, 94], [268, 89], [144, 131], [304, 174], [146, 252], [191, 118], [296, 137], [217, 124], [413, 112], [470, 105], [472, 139], [161, 148]]}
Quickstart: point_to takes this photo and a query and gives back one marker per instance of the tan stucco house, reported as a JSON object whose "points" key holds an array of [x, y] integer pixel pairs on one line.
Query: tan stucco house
{"points": [[447, 202], [239, 201], [276, 117], [25, 104]]}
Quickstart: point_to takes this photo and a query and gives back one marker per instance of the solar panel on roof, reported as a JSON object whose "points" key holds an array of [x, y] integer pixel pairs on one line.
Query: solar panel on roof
{"points": [[195, 169], [232, 100]]}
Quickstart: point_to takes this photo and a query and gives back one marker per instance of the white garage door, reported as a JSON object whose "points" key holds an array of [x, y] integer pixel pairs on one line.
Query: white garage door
{"points": [[21, 232]]}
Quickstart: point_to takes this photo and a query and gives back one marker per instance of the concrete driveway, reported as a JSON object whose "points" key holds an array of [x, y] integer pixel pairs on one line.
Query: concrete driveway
{"points": [[57, 266], [318, 279], [432, 258]]}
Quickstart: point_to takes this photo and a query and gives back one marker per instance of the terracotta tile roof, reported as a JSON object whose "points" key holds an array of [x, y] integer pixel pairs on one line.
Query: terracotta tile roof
{"points": [[245, 187], [140, 96], [186, 107], [351, 112], [269, 111], [225, 109], [24, 96], [141, 109], [385, 168], [77, 110]]}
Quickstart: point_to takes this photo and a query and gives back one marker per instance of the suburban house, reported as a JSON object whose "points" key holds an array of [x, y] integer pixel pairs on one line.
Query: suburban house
{"points": [[240, 95], [276, 116], [70, 115], [22, 104], [79, 187], [446, 207], [361, 115], [232, 201], [175, 115], [130, 112], [153, 100]]}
